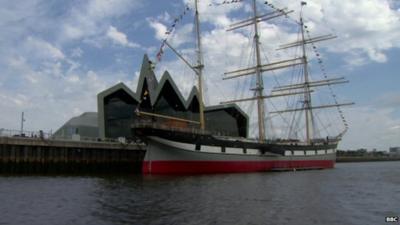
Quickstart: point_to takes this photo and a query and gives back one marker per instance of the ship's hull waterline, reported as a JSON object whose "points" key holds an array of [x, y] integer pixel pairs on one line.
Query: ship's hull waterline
{"points": [[170, 157]]}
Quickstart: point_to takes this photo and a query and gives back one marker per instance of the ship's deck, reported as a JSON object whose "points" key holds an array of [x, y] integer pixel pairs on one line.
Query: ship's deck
{"points": [[222, 137]]}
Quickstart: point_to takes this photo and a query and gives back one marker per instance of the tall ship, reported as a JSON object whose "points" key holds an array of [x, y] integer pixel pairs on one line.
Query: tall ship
{"points": [[185, 136]]}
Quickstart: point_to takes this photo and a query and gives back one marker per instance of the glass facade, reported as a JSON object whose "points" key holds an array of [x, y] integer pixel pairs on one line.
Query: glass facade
{"points": [[119, 113], [168, 103], [226, 122]]}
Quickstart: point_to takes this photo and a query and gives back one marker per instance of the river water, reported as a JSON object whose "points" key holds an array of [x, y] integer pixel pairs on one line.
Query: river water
{"points": [[352, 193]]}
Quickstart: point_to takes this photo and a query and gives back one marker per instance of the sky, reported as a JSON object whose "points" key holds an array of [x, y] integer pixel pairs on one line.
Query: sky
{"points": [[56, 56]]}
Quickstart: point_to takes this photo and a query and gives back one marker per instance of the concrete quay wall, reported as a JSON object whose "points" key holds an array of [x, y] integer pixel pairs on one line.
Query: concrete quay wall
{"points": [[20, 155]]}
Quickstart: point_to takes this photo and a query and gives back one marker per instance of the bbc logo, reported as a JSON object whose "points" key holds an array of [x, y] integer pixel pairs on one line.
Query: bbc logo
{"points": [[392, 219]]}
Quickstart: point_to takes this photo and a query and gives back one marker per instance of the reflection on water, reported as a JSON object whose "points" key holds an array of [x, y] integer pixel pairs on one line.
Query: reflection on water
{"points": [[355, 193]]}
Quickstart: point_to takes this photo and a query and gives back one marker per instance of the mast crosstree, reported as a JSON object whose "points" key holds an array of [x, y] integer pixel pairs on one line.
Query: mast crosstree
{"points": [[259, 68], [303, 88], [285, 90], [307, 84]]}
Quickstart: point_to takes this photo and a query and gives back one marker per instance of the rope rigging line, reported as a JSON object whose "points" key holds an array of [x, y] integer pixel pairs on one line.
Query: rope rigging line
{"points": [[324, 128], [170, 30], [240, 86], [295, 100], [296, 125], [251, 81], [272, 6], [323, 70], [319, 60], [225, 2], [298, 102]]}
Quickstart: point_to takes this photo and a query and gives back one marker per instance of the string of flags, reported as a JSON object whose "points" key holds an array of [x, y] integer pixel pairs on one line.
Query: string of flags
{"points": [[275, 8], [170, 31], [179, 19], [322, 67], [225, 2], [320, 62]]}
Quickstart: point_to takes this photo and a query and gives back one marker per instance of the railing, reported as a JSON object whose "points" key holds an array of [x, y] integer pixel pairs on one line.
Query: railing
{"points": [[148, 121], [27, 134], [145, 124], [94, 139], [49, 136]]}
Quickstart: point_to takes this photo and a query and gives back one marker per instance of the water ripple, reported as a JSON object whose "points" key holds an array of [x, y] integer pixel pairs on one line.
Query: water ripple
{"points": [[354, 193]]}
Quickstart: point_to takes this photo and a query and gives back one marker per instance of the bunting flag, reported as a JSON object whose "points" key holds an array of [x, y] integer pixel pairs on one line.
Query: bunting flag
{"points": [[322, 67], [178, 19], [225, 2], [161, 51], [276, 8], [169, 31]]}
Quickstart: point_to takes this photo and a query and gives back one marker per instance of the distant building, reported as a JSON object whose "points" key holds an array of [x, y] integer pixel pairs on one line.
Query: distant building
{"points": [[84, 125], [394, 150]]}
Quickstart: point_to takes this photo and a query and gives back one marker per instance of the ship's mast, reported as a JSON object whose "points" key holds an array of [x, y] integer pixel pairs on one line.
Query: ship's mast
{"points": [[304, 88], [307, 85], [259, 85], [307, 94], [199, 67], [259, 68]]}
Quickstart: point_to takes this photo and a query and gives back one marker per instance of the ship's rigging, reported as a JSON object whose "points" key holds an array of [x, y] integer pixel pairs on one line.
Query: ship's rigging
{"points": [[304, 88]]}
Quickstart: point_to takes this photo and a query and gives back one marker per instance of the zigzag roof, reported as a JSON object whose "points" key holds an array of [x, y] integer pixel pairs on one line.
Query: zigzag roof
{"points": [[155, 88], [119, 86]]}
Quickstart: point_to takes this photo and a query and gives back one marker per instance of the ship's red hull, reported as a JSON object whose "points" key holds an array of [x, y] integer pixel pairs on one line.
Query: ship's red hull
{"points": [[164, 156], [197, 167]]}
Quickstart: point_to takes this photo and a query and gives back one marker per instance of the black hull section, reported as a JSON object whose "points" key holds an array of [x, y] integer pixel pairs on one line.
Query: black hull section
{"points": [[200, 139]]}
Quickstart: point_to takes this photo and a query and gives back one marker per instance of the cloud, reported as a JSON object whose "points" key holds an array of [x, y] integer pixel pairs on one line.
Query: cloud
{"points": [[359, 25], [51, 99], [395, 127], [120, 38], [389, 100], [91, 18], [359, 42], [76, 52], [44, 72], [105, 8], [41, 49], [51, 71], [385, 130], [159, 28], [73, 32], [218, 16], [182, 35], [15, 19], [165, 17]]}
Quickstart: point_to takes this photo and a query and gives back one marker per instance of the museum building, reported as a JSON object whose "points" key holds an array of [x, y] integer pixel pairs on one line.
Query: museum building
{"points": [[161, 102]]}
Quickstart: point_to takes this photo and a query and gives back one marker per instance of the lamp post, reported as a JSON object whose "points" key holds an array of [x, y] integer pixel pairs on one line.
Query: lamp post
{"points": [[22, 123]]}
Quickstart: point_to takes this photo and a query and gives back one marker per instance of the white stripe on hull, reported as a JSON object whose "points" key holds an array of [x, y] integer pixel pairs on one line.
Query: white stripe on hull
{"points": [[160, 149]]}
